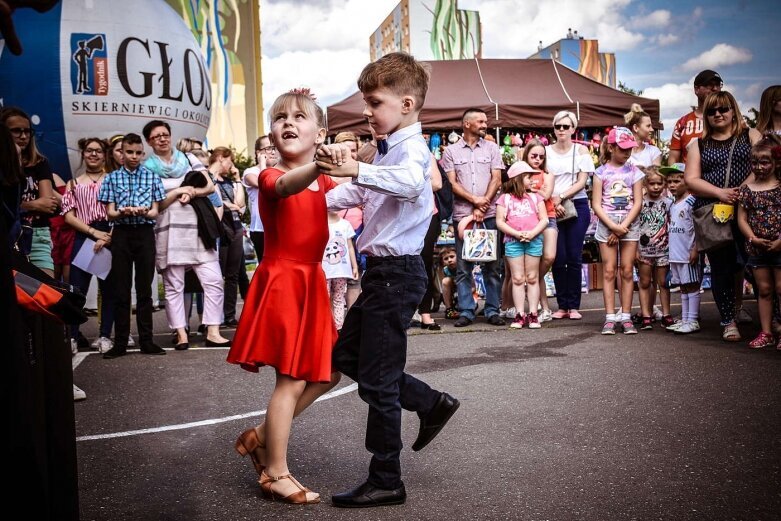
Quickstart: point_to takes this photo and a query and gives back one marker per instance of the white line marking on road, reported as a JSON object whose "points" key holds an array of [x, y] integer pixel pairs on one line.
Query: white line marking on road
{"points": [[333, 394]]}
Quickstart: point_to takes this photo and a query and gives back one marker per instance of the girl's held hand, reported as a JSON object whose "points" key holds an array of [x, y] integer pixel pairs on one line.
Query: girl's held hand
{"points": [[612, 239], [559, 210], [355, 274], [99, 245], [619, 230], [774, 246], [694, 256], [761, 244]]}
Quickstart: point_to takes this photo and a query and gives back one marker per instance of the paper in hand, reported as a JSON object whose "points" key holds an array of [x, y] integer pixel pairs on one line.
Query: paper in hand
{"points": [[98, 264]]}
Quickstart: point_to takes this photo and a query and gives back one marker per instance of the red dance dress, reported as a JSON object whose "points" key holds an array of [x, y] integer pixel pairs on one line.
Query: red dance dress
{"points": [[286, 321]]}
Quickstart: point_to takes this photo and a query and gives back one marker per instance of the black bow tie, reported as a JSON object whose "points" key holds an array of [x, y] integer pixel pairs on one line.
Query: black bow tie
{"points": [[382, 146]]}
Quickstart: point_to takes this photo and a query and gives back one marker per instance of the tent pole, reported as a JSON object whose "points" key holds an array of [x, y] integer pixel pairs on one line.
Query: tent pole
{"points": [[497, 134]]}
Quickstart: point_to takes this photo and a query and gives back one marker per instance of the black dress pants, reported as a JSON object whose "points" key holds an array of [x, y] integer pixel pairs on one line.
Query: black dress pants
{"points": [[372, 350], [133, 247]]}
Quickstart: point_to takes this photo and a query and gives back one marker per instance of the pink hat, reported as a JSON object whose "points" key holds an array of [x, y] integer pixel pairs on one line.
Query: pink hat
{"points": [[622, 137], [518, 168]]}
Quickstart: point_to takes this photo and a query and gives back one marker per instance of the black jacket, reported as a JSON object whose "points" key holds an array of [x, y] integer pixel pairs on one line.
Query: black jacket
{"points": [[209, 225]]}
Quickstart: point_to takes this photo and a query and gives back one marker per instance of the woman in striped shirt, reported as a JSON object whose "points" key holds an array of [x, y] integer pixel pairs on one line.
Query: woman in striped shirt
{"points": [[87, 216]]}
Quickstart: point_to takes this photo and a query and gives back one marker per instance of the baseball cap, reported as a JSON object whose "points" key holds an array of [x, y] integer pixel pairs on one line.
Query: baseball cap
{"points": [[675, 168], [622, 137], [707, 76], [518, 168]]}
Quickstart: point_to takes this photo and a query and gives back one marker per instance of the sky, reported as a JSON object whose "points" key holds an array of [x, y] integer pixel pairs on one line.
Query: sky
{"points": [[660, 46]]}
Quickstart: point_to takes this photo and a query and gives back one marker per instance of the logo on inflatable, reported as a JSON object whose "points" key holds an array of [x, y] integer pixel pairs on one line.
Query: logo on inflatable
{"points": [[89, 70], [97, 77]]}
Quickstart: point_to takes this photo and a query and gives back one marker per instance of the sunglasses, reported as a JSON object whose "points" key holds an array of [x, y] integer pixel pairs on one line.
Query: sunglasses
{"points": [[720, 110], [17, 131], [562, 127], [536, 156]]}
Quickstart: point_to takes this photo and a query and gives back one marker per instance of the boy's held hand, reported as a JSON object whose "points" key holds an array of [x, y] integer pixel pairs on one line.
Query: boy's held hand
{"points": [[335, 153]]}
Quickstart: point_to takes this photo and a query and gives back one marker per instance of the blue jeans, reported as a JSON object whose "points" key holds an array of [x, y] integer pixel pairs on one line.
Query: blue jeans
{"points": [[465, 281], [568, 265]]}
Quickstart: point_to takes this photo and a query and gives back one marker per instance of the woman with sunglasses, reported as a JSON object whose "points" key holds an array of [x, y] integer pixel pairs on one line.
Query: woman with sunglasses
{"points": [[39, 200], [570, 165], [725, 143]]}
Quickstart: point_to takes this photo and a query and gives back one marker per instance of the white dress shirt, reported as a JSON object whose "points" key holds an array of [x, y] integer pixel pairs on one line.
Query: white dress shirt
{"points": [[396, 194]]}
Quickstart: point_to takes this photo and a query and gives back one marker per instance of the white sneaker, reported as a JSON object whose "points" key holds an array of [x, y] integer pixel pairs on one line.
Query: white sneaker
{"points": [[130, 341], [658, 315], [74, 347], [688, 327], [675, 326], [743, 317], [546, 315], [78, 394], [103, 344], [508, 313]]}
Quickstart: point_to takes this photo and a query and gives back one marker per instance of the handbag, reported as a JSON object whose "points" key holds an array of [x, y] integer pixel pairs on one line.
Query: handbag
{"points": [[480, 244], [570, 212], [713, 230], [590, 254], [38, 292]]}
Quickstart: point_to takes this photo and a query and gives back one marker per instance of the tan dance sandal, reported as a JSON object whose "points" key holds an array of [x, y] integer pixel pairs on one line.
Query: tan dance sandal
{"points": [[302, 496]]}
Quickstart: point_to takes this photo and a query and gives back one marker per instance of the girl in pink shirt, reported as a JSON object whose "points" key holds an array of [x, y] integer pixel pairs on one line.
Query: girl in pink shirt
{"points": [[521, 216]]}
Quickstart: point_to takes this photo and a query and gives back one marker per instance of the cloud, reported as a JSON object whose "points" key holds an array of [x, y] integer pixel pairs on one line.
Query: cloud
{"points": [[721, 55], [330, 74], [675, 100], [664, 40], [314, 26], [658, 19], [512, 29]]}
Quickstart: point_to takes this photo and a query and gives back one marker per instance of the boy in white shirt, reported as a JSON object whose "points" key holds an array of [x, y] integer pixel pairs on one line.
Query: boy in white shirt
{"points": [[398, 200], [684, 257]]}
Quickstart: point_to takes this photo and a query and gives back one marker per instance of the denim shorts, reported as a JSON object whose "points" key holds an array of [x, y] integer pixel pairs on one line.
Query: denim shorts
{"points": [[41, 252], [532, 248], [552, 224], [765, 260], [603, 232]]}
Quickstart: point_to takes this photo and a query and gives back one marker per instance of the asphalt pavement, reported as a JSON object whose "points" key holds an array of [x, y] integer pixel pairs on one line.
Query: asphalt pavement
{"points": [[555, 424]]}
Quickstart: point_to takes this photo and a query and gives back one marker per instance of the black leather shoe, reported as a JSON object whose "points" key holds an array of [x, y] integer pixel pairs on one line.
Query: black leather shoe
{"points": [[462, 321], [184, 346], [115, 352], [153, 349], [433, 422], [230, 323], [496, 320], [210, 343], [368, 495]]}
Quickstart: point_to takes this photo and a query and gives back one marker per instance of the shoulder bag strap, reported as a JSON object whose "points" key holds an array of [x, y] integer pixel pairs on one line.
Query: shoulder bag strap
{"points": [[729, 161], [574, 176]]}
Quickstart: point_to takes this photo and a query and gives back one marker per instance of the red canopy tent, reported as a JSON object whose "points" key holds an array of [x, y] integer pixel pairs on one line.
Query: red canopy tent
{"points": [[514, 94]]}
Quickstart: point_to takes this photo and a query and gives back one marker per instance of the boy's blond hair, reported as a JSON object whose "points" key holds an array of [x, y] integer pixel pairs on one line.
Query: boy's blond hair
{"points": [[398, 72]]}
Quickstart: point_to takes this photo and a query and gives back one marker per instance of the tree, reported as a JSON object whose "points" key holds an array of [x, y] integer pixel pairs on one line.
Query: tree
{"points": [[751, 121], [623, 88]]}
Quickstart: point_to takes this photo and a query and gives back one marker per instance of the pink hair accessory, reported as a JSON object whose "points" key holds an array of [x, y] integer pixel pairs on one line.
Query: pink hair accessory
{"points": [[776, 152], [305, 91]]}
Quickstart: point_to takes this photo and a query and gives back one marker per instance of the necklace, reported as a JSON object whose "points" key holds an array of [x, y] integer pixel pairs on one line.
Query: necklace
{"points": [[90, 174]]}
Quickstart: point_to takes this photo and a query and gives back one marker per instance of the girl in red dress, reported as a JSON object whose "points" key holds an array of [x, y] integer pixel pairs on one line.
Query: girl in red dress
{"points": [[286, 322]]}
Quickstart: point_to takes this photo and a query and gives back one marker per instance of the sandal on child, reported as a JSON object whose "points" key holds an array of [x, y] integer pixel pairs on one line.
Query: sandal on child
{"points": [[731, 333], [761, 341], [249, 443], [301, 496]]}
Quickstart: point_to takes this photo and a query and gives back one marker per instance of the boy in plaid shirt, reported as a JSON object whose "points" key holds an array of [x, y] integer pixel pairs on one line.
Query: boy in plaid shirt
{"points": [[131, 194]]}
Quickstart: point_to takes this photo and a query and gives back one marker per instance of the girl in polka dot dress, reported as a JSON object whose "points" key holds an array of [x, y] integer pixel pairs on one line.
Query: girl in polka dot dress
{"points": [[759, 219]]}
